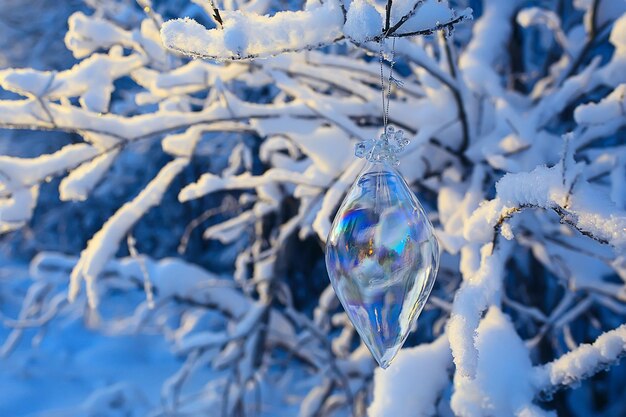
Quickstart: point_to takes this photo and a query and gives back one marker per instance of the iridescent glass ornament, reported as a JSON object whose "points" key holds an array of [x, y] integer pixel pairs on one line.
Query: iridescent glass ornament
{"points": [[381, 254]]}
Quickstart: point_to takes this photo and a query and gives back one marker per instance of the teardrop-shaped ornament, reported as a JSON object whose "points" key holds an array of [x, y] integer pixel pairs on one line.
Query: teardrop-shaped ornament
{"points": [[381, 254]]}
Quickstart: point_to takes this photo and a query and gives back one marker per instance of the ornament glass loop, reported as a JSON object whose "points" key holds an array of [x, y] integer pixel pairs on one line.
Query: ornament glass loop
{"points": [[382, 258]]}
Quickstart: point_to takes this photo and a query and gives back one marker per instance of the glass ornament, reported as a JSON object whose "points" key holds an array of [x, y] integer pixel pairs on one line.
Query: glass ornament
{"points": [[381, 254]]}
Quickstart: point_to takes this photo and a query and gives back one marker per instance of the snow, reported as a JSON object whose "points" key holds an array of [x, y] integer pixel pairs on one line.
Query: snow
{"points": [[406, 380], [427, 14], [30, 171], [539, 187], [20, 178], [480, 290], [73, 82], [490, 32], [497, 389], [332, 199], [549, 188], [605, 13], [537, 15], [16, 210], [239, 36], [584, 361], [363, 21], [87, 34], [516, 151], [210, 183], [618, 40], [244, 326], [81, 181], [105, 242], [611, 107], [74, 364]]}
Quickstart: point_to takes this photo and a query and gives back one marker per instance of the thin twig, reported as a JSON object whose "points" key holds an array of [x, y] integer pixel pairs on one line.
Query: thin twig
{"points": [[387, 16], [423, 32], [456, 93]]}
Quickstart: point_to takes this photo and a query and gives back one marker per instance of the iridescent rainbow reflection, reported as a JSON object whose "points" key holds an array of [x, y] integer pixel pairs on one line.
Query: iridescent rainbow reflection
{"points": [[382, 259]]}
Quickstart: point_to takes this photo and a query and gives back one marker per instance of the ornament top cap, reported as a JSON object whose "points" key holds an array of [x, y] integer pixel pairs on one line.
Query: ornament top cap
{"points": [[386, 148]]}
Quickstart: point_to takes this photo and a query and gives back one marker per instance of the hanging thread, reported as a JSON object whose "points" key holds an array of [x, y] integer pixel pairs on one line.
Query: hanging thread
{"points": [[386, 98], [391, 141]]}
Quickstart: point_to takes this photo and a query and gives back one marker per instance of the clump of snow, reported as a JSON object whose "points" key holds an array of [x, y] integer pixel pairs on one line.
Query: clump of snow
{"points": [[417, 377], [499, 388], [363, 21], [87, 34], [20, 179], [507, 231], [183, 144], [236, 38], [540, 187], [609, 108], [614, 72], [228, 231], [455, 209], [209, 183], [536, 15], [77, 81], [423, 14], [540, 16]]}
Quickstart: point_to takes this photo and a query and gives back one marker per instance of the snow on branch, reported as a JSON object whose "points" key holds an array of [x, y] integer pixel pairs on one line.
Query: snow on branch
{"points": [[20, 179], [82, 180], [105, 242], [559, 188], [75, 82], [566, 193], [210, 183], [244, 35], [500, 387], [87, 34], [612, 107], [244, 327], [489, 42], [583, 362], [479, 290]]}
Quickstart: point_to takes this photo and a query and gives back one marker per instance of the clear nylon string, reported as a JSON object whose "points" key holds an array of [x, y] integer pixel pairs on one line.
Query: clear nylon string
{"points": [[386, 98]]}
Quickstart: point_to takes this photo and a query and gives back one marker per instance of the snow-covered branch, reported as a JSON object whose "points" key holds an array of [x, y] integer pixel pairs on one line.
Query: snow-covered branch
{"points": [[237, 35], [583, 362]]}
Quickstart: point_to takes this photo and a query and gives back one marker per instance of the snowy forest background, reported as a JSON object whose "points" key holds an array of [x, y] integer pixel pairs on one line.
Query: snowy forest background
{"points": [[163, 218]]}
